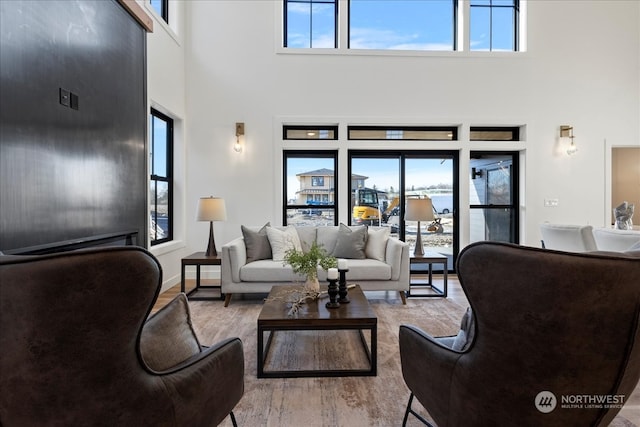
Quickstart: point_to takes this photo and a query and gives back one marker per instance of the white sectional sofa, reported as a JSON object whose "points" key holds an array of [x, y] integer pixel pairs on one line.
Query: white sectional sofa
{"points": [[381, 263]]}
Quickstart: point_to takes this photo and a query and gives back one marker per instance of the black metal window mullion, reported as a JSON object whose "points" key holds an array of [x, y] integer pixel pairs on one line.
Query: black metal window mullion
{"points": [[167, 178]]}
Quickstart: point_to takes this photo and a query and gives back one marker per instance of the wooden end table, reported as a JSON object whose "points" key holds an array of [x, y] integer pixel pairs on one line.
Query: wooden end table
{"points": [[428, 259], [356, 315], [199, 259]]}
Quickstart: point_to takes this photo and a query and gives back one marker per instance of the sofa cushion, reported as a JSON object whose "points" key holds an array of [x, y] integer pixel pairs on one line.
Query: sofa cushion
{"points": [[268, 271], [363, 269], [283, 240], [257, 243], [327, 237], [307, 237], [351, 242], [377, 243]]}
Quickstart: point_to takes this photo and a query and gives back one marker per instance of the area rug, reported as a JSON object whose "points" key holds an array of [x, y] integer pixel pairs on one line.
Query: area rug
{"points": [[348, 401]]}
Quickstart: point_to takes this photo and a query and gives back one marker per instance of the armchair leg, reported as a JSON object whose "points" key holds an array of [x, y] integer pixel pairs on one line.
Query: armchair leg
{"points": [[233, 419], [415, 414]]}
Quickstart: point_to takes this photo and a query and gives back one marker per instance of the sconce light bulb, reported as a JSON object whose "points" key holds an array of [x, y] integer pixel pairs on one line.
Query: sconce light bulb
{"points": [[237, 146]]}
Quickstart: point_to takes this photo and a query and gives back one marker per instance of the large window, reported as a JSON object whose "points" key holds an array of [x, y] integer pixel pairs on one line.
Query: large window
{"points": [[311, 23], [310, 187], [494, 25], [402, 24], [161, 181], [162, 7]]}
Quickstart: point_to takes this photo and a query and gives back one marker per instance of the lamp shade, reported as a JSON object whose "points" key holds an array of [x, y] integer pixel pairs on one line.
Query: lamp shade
{"points": [[419, 210], [211, 209]]}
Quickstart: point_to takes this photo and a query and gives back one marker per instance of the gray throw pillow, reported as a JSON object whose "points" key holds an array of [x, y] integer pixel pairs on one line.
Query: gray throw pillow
{"points": [[168, 338], [351, 242], [257, 243], [467, 331]]}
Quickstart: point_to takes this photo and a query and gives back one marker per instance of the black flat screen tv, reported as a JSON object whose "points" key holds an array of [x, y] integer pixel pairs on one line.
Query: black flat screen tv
{"points": [[73, 121]]}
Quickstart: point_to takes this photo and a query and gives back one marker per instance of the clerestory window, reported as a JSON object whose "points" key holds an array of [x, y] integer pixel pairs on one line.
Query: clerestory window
{"points": [[403, 25]]}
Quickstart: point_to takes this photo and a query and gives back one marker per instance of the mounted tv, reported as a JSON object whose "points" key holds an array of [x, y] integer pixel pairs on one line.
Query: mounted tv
{"points": [[72, 126]]}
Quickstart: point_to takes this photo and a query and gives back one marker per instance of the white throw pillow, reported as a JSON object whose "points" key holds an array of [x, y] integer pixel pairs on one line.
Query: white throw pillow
{"points": [[282, 241], [377, 243]]}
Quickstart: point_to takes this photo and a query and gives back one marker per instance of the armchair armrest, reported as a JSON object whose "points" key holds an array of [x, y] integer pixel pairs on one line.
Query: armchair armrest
{"points": [[234, 256], [193, 376], [427, 368], [212, 379]]}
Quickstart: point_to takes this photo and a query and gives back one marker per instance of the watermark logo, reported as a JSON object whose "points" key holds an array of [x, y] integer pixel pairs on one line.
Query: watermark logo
{"points": [[546, 402]]}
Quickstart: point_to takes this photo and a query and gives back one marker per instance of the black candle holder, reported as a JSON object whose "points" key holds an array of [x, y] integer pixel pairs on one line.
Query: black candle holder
{"points": [[333, 294], [342, 288]]}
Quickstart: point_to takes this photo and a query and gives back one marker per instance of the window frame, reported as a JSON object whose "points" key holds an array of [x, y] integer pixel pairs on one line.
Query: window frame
{"points": [[153, 177], [310, 128], [516, 23], [285, 21], [164, 9], [320, 154]]}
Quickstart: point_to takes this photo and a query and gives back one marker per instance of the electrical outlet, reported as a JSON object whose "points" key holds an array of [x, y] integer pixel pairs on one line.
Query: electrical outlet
{"points": [[550, 203], [65, 97]]}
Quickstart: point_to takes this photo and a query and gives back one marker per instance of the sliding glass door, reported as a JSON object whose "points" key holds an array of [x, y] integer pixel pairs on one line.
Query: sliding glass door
{"points": [[382, 181]]}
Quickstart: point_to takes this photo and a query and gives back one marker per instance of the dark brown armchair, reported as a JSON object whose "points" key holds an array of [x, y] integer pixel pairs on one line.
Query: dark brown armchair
{"points": [[76, 348], [543, 321]]}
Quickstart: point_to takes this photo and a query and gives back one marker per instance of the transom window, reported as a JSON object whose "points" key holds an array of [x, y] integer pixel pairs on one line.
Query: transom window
{"points": [[478, 133], [410, 133], [310, 132]]}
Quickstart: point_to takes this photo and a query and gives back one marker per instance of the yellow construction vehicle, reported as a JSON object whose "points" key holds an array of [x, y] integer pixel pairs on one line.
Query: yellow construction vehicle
{"points": [[366, 208]]}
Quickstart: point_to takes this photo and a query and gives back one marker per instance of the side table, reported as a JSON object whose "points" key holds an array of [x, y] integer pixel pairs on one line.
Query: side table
{"points": [[424, 264], [199, 259]]}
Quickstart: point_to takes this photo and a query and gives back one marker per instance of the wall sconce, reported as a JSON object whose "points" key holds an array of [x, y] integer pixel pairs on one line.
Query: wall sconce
{"points": [[239, 132], [566, 131], [476, 173]]}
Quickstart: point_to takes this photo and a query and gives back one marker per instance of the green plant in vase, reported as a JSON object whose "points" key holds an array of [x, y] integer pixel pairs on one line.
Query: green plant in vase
{"points": [[306, 263]]}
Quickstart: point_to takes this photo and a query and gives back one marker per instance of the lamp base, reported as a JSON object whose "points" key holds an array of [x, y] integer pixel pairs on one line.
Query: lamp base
{"points": [[418, 249], [211, 247]]}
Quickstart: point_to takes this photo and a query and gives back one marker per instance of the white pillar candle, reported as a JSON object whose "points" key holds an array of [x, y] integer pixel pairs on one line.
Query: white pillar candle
{"points": [[332, 274], [342, 264]]}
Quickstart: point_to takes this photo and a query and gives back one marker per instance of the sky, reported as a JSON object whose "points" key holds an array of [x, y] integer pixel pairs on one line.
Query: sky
{"points": [[399, 25]]}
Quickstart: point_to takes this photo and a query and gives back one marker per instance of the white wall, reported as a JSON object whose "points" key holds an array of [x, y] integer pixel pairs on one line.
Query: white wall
{"points": [[581, 69], [166, 93]]}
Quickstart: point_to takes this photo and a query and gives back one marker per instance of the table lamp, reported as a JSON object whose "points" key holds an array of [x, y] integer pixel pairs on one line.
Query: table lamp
{"points": [[419, 210], [211, 209]]}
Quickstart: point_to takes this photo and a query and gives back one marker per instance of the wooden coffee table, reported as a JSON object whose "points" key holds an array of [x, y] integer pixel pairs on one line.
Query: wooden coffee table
{"points": [[314, 316]]}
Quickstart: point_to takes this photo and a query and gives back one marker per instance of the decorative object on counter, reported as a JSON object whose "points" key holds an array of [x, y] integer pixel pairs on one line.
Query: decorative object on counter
{"points": [[332, 276], [307, 263], [623, 214], [342, 283]]}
